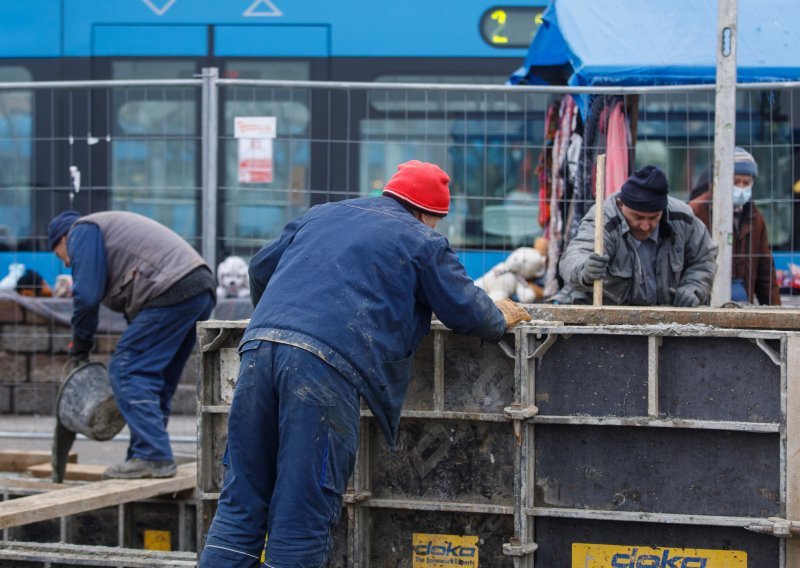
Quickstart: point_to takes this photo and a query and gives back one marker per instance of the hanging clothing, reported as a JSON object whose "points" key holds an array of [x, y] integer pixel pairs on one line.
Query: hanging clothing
{"points": [[564, 163], [544, 165], [616, 149]]}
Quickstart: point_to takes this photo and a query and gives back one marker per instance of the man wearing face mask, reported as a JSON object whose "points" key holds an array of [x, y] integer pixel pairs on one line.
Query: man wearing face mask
{"points": [[752, 266]]}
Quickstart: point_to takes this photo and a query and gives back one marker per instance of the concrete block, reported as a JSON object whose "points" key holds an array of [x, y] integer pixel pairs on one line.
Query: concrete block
{"points": [[61, 338], [5, 399], [35, 399], [13, 367], [185, 401], [24, 338], [191, 371], [10, 312], [49, 368], [35, 319], [105, 343]]}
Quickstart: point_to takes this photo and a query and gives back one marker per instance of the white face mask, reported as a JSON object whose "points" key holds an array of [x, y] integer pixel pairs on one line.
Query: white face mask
{"points": [[742, 195]]}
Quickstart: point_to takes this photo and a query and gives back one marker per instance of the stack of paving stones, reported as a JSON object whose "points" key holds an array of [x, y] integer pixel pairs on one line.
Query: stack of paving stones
{"points": [[33, 361]]}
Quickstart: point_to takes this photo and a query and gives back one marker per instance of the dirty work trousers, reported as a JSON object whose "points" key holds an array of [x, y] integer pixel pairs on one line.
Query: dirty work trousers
{"points": [[292, 438], [146, 368]]}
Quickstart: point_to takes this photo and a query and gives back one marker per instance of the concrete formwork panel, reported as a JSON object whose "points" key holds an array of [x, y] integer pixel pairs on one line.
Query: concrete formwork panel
{"points": [[665, 436]]}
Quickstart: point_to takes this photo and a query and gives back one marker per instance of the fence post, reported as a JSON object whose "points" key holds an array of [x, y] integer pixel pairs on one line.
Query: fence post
{"points": [[724, 140], [209, 134]]}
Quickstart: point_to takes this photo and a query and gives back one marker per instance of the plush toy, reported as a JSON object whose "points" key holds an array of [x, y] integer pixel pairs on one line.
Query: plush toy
{"points": [[511, 278], [232, 278], [63, 287]]}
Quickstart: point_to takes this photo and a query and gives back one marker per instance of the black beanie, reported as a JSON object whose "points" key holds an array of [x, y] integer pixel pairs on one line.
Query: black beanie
{"points": [[646, 190]]}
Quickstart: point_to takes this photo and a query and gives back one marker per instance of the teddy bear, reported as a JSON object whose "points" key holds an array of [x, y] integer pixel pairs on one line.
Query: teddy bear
{"points": [[513, 277]]}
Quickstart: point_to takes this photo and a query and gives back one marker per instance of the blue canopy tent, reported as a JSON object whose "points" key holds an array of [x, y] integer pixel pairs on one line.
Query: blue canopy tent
{"points": [[659, 42]]}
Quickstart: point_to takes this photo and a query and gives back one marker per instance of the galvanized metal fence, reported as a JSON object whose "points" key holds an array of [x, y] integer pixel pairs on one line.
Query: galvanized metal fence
{"points": [[168, 149]]}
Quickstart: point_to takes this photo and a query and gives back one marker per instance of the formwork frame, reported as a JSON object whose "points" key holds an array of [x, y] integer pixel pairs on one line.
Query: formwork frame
{"points": [[785, 428], [528, 346]]}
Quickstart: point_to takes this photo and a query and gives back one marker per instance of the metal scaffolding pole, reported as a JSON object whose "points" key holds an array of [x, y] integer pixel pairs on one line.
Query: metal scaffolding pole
{"points": [[724, 142], [210, 125]]}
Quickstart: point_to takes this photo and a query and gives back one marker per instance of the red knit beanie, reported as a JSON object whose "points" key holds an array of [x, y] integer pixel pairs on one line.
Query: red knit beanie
{"points": [[421, 185]]}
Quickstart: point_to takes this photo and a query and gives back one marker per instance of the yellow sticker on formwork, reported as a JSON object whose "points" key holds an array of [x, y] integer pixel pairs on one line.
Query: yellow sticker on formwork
{"points": [[615, 556], [444, 550], [157, 540]]}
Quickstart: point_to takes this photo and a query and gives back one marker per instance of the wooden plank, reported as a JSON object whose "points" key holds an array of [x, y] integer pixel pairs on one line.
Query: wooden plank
{"points": [[97, 495], [75, 471], [728, 318], [20, 460], [599, 222], [32, 485]]}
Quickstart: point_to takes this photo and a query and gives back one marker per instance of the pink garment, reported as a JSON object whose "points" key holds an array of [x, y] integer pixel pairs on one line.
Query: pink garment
{"points": [[616, 150]]}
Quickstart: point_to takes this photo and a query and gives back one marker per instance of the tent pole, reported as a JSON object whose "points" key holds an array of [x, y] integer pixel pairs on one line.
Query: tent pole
{"points": [[724, 142]]}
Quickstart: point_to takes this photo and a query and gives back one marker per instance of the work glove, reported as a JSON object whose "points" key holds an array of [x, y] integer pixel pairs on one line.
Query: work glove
{"points": [[594, 268], [512, 312], [686, 297], [78, 350]]}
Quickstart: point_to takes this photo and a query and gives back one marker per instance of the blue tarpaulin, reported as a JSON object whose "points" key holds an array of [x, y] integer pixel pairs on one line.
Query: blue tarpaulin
{"points": [[659, 42]]}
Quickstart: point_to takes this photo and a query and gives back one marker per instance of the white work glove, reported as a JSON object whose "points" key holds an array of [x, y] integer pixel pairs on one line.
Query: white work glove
{"points": [[594, 268], [512, 312], [686, 297]]}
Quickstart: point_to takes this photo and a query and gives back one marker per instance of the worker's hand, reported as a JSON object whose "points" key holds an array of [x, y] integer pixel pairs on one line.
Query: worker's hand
{"points": [[78, 350], [686, 297], [594, 268], [512, 312]]}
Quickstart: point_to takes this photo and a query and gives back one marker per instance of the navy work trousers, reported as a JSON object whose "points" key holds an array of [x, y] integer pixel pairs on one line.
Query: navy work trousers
{"points": [[146, 368], [292, 439]]}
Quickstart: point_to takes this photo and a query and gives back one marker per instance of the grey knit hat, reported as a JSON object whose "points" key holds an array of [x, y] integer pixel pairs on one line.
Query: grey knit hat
{"points": [[744, 163]]}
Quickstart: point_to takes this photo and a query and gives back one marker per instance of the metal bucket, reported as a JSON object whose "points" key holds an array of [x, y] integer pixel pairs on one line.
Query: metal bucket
{"points": [[86, 403]]}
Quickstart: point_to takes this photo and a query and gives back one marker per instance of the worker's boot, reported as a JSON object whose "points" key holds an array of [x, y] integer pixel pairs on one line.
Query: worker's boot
{"points": [[136, 468]]}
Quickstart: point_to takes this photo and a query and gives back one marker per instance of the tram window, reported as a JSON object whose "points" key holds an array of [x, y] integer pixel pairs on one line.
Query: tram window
{"points": [[490, 163], [256, 212], [161, 69], [154, 145], [266, 70], [154, 161], [409, 100], [16, 144]]}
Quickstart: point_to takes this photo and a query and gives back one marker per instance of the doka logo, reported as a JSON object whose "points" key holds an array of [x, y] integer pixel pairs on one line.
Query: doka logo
{"points": [[444, 550], [666, 560], [616, 556]]}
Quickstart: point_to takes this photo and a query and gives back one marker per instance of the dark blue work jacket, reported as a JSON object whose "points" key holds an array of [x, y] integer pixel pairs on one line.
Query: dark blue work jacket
{"points": [[355, 283]]}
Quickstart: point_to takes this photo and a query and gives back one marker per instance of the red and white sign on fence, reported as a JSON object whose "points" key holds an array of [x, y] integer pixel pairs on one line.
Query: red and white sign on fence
{"points": [[255, 134]]}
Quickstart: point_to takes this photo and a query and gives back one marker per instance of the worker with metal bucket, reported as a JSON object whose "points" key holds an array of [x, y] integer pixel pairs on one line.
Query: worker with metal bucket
{"points": [[752, 268], [136, 266], [656, 252], [343, 299]]}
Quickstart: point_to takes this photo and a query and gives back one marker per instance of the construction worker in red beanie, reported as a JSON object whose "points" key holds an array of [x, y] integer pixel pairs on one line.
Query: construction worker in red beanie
{"points": [[342, 301]]}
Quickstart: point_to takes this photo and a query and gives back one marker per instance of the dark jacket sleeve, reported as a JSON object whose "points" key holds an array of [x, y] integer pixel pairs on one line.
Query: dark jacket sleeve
{"points": [[700, 254], [87, 253], [766, 288], [265, 261], [456, 301]]}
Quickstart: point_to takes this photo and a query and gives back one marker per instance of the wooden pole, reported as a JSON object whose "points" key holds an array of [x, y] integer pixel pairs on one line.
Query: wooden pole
{"points": [[599, 190]]}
